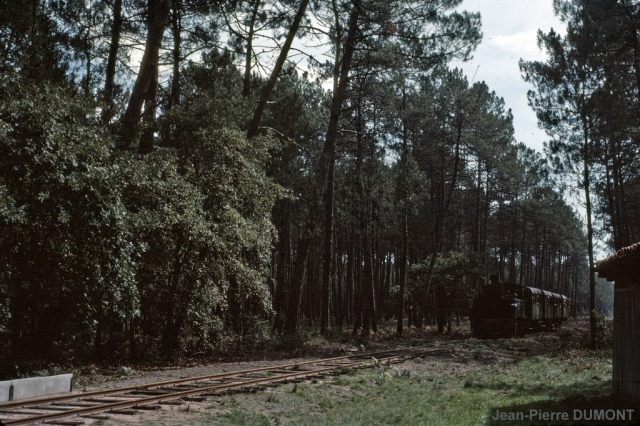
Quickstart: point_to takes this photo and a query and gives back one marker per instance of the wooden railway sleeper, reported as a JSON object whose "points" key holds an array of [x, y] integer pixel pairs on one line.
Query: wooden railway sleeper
{"points": [[65, 422], [154, 407], [76, 404], [194, 398], [50, 408], [151, 392], [125, 412], [171, 402], [130, 396], [289, 371], [96, 416], [104, 400]]}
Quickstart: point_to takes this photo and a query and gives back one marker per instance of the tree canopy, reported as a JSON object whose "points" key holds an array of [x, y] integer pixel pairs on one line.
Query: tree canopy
{"points": [[178, 174]]}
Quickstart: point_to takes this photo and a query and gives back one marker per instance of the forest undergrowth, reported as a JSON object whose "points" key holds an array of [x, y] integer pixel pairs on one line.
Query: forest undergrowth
{"points": [[463, 385]]}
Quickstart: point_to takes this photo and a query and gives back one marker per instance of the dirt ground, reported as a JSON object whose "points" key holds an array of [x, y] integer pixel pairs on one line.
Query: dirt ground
{"points": [[460, 352], [466, 352]]}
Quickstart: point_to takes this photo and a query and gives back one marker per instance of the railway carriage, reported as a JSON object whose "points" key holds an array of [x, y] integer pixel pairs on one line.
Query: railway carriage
{"points": [[504, 308]]}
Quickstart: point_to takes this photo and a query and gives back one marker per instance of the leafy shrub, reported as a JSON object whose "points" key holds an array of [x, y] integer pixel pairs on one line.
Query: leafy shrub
{"points": [[68, 257], [105, 248]]}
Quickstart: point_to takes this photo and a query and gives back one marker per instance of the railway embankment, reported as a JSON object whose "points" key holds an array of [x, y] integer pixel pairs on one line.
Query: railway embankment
{"points": [[460, 380]]}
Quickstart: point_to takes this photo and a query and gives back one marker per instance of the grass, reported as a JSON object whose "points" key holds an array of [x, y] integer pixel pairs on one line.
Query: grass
{"points": [[392, 396], [464, 387]]}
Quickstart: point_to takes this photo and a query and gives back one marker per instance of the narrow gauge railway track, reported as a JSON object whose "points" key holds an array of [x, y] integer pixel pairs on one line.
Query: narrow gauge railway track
{"points": [[60, 409]]}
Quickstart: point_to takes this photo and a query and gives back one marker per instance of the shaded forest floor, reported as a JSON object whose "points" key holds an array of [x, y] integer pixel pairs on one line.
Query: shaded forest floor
{"points": [[248, 352], [464, 384]]}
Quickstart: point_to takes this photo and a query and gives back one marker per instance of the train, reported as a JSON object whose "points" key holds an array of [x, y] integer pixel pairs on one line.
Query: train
{"points": [[512, 309]]}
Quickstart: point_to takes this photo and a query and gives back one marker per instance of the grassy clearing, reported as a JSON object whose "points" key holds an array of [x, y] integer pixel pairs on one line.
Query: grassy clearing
{"points": [[393, 396], [389, 397], [464, 384]]}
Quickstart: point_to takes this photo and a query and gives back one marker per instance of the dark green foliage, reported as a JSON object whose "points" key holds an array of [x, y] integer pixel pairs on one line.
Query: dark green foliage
{"points": [[583, 95], [212, 94], [450, 293], [31, 41], [204, 216], [68, 257], [175, 244], [205, 236]]}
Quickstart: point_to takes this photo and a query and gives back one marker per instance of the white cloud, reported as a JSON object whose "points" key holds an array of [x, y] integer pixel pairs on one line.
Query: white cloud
{"points": [[510, 32], [522, 44]]}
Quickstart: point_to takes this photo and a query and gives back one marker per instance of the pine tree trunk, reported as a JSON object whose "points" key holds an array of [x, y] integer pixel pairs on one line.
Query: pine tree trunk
{"points": [[112, 59], [297, 280], [246, 84], [159, 9], [176, 29], [273, 78], [149, 117], [441, 217], [328, 162], [282, 280], [348, 302], [404, 226], [587, 196]]}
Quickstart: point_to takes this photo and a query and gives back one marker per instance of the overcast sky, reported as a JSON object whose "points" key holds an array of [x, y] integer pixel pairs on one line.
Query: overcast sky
{"points": [[510, 28]]}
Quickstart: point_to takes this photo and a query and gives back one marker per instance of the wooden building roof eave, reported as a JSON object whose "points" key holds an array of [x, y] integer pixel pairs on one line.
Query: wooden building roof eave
{"points": [[621, 265]]}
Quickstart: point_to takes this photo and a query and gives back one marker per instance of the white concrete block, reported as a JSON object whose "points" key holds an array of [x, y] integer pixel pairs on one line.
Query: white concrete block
{"points": [[5, 390], [40, 386]]}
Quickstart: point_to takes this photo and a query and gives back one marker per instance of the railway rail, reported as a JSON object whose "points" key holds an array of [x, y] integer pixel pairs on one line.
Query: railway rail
{"points": [[75, 408]]}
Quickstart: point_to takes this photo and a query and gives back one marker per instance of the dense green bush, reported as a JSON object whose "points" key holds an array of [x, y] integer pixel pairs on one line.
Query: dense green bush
{"points": [[100, 245], [68, 257]]}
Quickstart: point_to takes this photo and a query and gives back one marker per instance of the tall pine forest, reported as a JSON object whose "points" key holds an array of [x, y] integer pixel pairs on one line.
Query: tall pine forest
{"points": [[179, 174]]}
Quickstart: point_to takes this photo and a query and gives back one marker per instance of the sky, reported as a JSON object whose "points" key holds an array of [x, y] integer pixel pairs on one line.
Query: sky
{"points": [[509, 33], [510, 30]]}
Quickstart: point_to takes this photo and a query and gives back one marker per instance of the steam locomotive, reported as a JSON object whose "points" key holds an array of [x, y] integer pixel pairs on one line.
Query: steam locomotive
{"points": [[511, 309]]}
